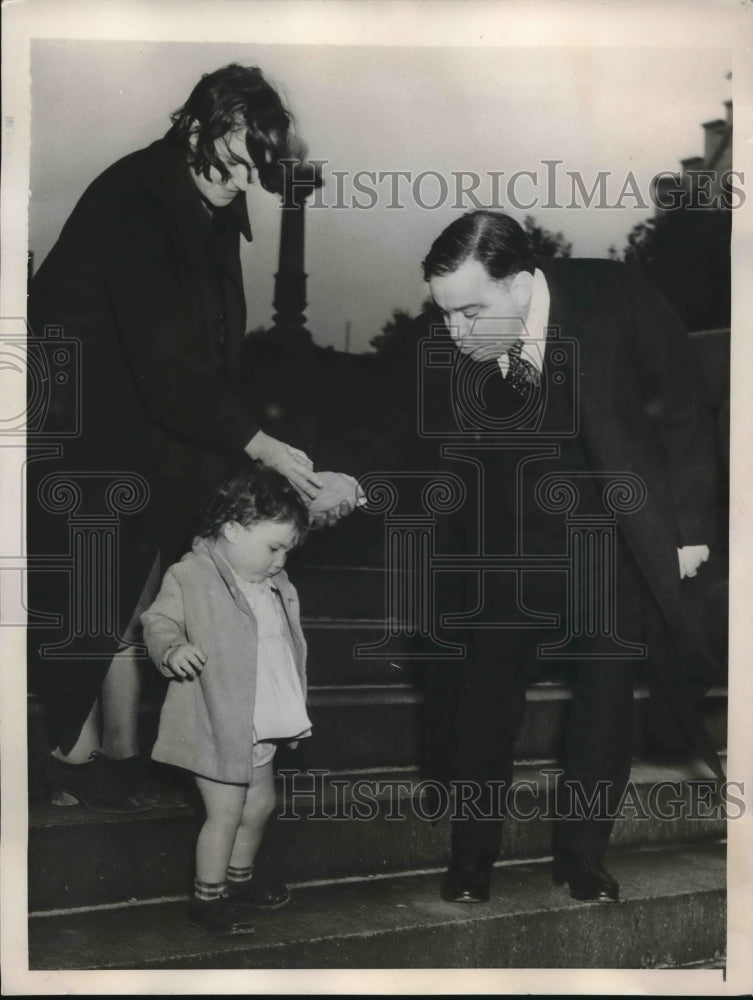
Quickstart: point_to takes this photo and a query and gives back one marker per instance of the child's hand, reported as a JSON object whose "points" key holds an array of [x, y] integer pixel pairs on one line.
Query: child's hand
{"points": [[185, 662]]}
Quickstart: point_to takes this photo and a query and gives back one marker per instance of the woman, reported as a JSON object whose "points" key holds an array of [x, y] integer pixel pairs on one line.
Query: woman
{"points": [[146, 276]]}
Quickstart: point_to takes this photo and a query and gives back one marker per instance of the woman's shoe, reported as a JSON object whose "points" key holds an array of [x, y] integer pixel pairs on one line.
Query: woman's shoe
{"points": [[258, 894], [94, 784], [218, 916], [136, 778]]}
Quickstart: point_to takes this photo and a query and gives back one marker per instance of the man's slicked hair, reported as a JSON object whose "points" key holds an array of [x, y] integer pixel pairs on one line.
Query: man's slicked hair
{"points": [[493, 239], [231, 98]]}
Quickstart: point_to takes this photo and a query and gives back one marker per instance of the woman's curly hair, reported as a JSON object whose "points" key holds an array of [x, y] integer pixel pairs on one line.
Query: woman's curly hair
{"points": [[226, 100], [256, 494]]}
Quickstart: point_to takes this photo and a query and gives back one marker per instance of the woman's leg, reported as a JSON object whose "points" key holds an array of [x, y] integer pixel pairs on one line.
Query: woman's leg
{"points": [[86, 776], [120, 705], [87, 742], [115, 778], [119, 699], [121, 687]]}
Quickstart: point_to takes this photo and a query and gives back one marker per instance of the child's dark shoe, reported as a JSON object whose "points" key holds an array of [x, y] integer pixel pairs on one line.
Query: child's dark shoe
{"points": [[258, 893], [218, 916]]}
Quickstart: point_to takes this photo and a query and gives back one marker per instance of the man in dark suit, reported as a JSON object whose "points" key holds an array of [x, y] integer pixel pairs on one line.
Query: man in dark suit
{"points": [[629, 390]]}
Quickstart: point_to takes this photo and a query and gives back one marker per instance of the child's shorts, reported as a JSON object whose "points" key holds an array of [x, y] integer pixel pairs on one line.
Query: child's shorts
{"points": [[263, 753]]}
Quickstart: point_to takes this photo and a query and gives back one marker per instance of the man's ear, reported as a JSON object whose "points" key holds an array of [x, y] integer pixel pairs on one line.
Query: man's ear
{"points": [[521, 291]]}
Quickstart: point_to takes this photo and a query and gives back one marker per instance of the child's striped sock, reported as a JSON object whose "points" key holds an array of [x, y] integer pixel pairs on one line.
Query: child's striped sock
{"points": [[209, 891], [237, 875]]}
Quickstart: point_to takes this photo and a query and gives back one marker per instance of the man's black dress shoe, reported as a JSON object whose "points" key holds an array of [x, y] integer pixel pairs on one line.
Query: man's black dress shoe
{"points": [[466, 883], [587, 878]]}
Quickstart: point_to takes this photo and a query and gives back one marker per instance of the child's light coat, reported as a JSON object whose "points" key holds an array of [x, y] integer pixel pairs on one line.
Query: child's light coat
{"points": [[206, 725]]}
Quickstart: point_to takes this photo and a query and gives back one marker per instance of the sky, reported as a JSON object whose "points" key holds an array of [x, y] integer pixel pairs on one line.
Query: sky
{"points": [[436, 110]]}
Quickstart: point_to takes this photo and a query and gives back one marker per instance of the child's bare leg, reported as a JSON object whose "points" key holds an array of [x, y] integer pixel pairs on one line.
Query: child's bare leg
{"points": [[224, 807], [245, 887], [257, 808], [209, 909]]}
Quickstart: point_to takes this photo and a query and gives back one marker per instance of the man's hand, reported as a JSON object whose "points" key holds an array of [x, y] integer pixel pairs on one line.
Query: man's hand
{"points": [[185, 662], [295, 465], [691, 557]]}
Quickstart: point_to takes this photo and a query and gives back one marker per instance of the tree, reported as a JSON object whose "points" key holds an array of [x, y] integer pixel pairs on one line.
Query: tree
{"points": [[545, 243], [401, 333], [686, 252]]}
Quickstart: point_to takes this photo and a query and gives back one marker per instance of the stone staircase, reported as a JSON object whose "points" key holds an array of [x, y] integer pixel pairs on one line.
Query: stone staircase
{"points": [[364, 861]]}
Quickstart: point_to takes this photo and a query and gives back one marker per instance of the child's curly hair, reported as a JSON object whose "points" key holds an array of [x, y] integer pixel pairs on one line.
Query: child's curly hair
{"points": [[257, 493]]}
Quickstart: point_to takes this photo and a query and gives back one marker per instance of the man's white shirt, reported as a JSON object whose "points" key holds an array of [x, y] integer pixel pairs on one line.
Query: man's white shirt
{"points": [[533, 330]]}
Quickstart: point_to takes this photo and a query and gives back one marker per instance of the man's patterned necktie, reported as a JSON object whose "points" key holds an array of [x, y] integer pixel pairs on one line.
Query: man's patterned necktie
{"points": [[521, 375]]}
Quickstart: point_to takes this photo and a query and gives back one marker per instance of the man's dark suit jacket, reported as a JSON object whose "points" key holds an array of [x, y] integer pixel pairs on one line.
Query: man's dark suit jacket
{"points": [[643, 410]]}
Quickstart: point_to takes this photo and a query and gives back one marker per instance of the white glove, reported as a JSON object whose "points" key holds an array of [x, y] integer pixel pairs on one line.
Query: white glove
{"points": [[690, 558], [338, 497]]}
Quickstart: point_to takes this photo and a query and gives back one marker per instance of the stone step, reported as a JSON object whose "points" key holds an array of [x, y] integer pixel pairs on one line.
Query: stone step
{"points": [[337, 655], [359, 537], [380, 726], [340, 591], [355, 824], [672, 913], [333, 659]]}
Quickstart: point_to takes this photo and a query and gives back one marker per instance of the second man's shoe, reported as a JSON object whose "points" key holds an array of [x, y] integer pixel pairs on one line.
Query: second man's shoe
{"points": [[258, 894], [587, 878], [466, 883]]}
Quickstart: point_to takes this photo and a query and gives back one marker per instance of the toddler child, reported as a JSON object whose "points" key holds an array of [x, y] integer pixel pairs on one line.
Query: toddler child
{"points": [[225, 628]]}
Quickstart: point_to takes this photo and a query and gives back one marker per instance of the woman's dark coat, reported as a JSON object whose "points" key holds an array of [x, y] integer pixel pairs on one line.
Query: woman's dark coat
{"points": [[148, 282]]}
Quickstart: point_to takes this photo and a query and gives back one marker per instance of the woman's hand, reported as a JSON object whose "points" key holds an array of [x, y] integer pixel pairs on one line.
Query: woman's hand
{"points": [[329, 518], [295, 465], [185, 662], [339, 497]]}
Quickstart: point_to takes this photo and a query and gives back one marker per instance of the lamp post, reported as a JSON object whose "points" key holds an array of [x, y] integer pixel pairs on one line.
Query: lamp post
{"points": [[289, 320]]}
